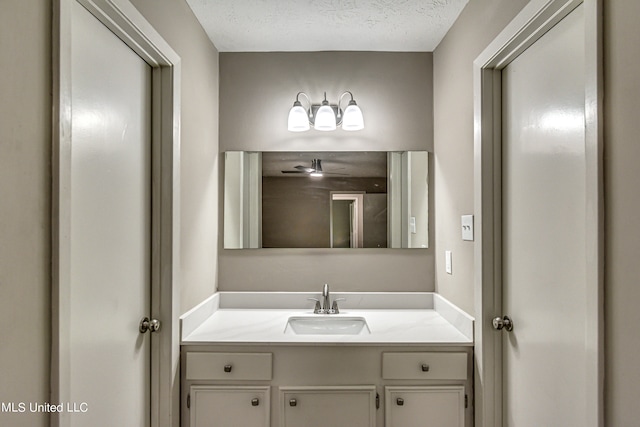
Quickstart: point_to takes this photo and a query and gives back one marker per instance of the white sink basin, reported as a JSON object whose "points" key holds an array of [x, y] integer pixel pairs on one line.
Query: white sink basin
{"points": [[327, 325]]}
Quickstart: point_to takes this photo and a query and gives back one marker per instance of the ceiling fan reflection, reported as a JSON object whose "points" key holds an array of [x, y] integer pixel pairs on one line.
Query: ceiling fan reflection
{"points": [[314, 170]]}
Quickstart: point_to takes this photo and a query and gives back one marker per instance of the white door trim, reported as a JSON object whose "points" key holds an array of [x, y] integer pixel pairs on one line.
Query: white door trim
{"points": [[357, 221], [124, 20], [535, 19]]}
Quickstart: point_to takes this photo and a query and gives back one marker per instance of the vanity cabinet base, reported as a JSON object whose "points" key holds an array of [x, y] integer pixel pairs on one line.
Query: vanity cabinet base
{"points": [[322, 385]]}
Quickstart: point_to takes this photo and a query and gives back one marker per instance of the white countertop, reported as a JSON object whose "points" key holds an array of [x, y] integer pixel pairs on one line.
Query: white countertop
{"points": [[261, 318]]}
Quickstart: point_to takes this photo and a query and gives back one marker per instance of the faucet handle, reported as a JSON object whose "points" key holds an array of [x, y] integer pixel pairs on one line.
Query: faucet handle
{"points": [[334, 306], [317, 309]]}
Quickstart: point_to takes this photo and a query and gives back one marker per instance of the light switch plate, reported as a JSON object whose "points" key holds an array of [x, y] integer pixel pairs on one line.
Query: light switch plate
{"points": [[467, 227], [447, 262]]}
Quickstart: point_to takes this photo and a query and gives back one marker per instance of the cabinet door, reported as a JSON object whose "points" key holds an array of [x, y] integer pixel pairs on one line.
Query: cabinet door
{"points": [[214, 406], [441, 406], [346, 406]]}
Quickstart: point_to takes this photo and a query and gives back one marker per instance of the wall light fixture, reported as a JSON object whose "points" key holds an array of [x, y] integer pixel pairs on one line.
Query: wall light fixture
{"points": [[325, 116]]}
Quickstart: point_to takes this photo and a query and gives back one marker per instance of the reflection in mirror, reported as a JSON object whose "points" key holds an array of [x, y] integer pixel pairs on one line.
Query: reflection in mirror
{"points": [[325, 199], [347, 220]]}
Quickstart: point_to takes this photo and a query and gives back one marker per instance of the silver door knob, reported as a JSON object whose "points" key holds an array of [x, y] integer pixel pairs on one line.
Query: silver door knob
{"points": [[505, 322], [147, 324]]}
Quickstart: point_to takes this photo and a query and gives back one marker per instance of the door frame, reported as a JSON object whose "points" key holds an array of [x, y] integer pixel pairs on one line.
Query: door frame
{"points": [[357, 221], [126, 22], [535, 19]]}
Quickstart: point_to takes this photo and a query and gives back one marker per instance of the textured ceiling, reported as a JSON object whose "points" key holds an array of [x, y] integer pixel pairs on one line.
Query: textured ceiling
{"points": [[317, 25]]}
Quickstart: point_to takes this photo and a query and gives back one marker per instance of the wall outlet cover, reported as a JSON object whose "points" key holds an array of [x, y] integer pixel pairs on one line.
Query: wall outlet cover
{"points": [[447, 262]]}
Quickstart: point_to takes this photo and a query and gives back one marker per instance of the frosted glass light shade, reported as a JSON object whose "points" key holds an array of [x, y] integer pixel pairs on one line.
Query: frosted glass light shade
{"points": [[325, 119], [352, 118], [298, 119]]}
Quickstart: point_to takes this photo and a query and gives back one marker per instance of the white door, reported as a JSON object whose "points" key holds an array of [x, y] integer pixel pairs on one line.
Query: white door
{"points": [[543, 190], [110, 228]]}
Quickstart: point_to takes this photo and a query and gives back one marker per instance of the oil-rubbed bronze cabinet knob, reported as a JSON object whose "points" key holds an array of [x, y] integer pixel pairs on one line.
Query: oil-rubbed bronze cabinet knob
{"points": [[227, 368]]}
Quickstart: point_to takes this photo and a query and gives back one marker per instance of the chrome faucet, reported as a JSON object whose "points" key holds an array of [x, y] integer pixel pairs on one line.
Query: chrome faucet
{"points": [[326, 307], [326, 300]]}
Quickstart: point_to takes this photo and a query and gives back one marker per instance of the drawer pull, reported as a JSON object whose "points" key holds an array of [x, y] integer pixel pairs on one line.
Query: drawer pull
{"points": [[425, 367], [227, 368], [293, 402], [400, 401], [255, 401]]}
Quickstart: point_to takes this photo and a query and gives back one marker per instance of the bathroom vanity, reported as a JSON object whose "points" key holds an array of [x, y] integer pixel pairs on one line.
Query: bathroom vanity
{"points": [[385, 359]]}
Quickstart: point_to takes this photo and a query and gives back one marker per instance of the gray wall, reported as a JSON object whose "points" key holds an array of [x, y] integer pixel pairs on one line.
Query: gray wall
{"points": [[25, 184], [453, 139], [476, 27], [175, 21], [25, 225], [394, 91], [622, 204]]}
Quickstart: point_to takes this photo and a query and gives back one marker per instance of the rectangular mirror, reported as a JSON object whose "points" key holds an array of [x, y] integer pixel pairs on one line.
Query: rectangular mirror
{"points": [[305, 199]]}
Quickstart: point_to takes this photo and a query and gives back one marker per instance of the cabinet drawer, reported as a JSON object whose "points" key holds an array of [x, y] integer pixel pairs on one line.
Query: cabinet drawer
{"points": [[229, 366], [424, 366]]}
